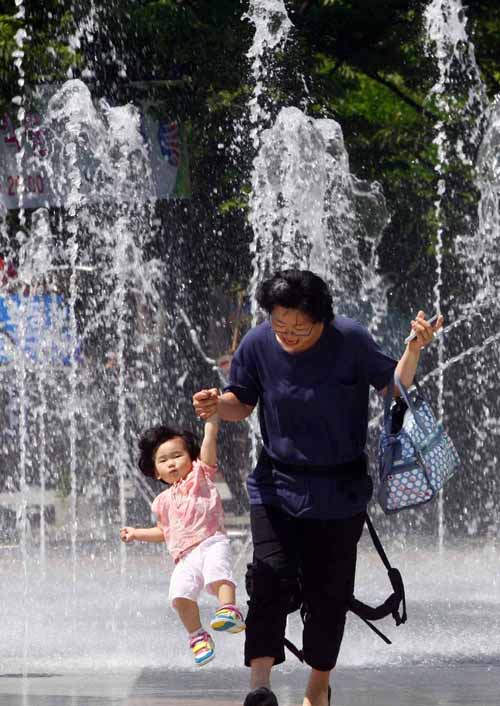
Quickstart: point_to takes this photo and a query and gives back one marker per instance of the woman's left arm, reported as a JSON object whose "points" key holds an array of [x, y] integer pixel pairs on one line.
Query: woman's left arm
{"points": [[424, 333]]}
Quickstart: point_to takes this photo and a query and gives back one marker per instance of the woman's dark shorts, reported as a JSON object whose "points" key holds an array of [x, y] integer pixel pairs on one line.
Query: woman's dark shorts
{"points": [[324, 552]]}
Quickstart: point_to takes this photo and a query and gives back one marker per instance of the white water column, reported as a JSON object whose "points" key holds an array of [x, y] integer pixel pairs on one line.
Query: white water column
{"points": [[73, 401], [448, 39], [306, 208], [272, 27], [21, 37]]}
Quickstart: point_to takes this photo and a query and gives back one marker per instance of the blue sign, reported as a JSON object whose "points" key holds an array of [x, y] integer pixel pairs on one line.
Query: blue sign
{"points": [[38, 326]]}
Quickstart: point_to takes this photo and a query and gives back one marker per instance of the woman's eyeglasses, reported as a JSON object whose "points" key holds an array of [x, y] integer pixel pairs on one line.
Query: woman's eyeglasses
{"points": [[282, 329]]}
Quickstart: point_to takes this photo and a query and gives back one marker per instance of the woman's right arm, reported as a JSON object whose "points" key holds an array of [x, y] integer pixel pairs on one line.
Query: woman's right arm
{"points": [[227, 406], [231, 409]]}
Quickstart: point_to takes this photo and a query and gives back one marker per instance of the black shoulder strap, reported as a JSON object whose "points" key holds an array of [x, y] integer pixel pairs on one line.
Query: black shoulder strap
{"points": [[392, 605], [293, 649], [367, 613]]}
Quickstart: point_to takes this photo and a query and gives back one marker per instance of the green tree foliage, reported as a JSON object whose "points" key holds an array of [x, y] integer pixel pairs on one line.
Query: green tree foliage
{"points": [[372, 71], [46, 54], [366, 66]]}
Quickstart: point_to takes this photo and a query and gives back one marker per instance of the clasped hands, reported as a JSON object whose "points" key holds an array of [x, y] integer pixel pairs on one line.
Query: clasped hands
{"points": [[205, 402]]}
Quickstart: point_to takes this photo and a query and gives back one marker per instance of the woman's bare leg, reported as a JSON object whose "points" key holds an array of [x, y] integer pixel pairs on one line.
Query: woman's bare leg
{"points": [[317, 689], [260, 672]]}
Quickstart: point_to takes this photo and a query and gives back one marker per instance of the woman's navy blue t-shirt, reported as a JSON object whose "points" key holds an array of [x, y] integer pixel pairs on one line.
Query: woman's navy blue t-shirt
{"points": [[313, 411]]}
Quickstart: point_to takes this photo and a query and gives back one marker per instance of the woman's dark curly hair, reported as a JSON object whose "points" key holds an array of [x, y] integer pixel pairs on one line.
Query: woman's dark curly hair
{"points": [[297, 289], [153, 438]]}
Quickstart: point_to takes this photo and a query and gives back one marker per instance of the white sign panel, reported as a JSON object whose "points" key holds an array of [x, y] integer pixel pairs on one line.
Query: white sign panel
{"points": [[69, 150]]}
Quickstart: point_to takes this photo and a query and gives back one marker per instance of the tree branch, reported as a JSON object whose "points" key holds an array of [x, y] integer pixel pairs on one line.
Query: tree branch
{"points": [[404, 97]]}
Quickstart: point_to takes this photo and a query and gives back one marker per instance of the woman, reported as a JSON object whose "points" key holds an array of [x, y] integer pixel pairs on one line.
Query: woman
{"points": [[310, 372]]}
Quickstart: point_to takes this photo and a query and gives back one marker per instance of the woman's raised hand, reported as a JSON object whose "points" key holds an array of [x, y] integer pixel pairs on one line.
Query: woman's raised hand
{"points": [[424, 331]]}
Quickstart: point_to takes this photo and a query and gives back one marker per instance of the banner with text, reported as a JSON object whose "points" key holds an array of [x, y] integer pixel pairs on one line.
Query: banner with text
{"points": [[68, 149]]}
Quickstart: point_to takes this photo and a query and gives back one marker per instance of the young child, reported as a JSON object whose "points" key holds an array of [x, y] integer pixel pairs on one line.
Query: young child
{"points": [[190, 521]]}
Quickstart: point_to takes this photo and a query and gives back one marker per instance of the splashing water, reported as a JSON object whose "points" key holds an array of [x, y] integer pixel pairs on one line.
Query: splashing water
{"points": [[480, 251], [309, 211], [460, 98], [86, 321], [272, 27]]}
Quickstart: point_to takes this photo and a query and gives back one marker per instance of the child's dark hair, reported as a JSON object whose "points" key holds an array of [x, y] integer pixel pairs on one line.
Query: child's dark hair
{"points": [[155, 437], [297, 289]]}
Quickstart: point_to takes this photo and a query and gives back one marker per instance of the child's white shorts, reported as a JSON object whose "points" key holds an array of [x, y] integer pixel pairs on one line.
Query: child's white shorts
{"points": [[209, 561]]}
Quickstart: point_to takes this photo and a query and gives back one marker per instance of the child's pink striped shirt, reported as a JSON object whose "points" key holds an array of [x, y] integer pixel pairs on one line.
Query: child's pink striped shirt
{"points": [[190, 510]]}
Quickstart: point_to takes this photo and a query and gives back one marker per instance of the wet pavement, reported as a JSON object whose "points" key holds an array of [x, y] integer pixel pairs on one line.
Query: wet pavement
{"points": [[454, 685], [88, 633]]}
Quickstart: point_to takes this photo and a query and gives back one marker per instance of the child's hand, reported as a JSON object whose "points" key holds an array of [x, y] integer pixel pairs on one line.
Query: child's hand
{"points": [[213, 420], [127, 534]]}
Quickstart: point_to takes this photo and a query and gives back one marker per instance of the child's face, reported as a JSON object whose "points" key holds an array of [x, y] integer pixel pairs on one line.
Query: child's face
{"points": [[172, 461]]}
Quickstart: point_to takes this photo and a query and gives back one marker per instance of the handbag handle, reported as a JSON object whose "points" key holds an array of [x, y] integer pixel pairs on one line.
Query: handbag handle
{"points": [[387, 407], [404, 393], [387, 417], [408, 400]]}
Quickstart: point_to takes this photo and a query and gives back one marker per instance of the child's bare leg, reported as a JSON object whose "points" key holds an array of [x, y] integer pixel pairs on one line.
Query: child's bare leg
{"points": [[227, 616], [225, 592], [189, 613]]}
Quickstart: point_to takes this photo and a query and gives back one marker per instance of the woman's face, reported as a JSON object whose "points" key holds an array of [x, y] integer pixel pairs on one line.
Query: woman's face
{"points": [[294, 330]]}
